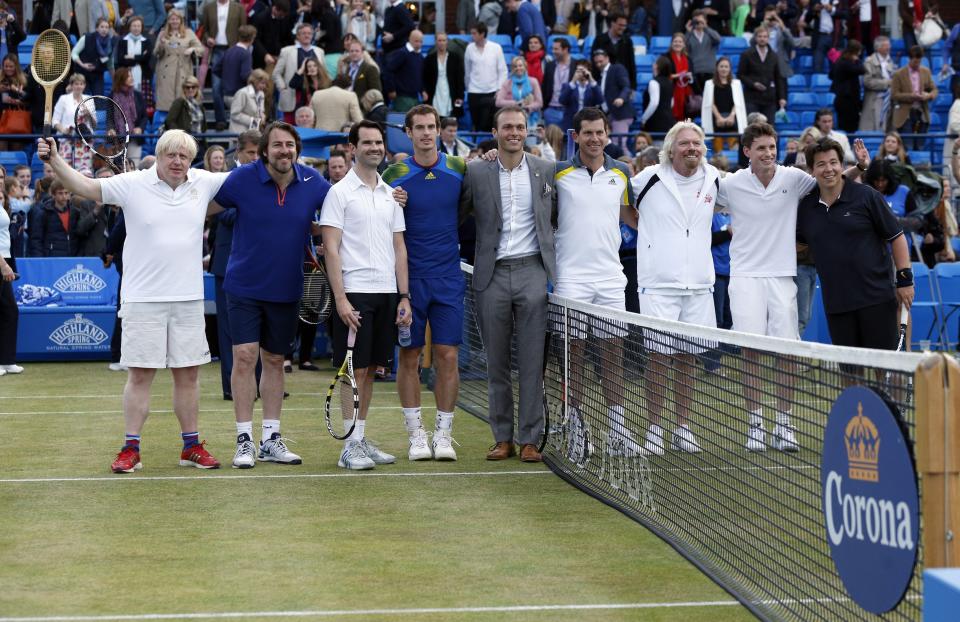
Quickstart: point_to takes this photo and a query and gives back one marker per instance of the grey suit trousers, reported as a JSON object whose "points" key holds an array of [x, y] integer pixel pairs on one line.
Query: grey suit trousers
{"points": [[515, 301]]}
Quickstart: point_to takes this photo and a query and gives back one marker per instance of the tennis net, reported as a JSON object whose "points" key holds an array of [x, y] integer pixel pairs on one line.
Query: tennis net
{"points": [[751, 520]]}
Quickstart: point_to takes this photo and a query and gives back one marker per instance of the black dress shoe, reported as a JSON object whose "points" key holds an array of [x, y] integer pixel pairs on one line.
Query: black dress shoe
{"points": [[288, 368], [308, 366], [285, 395], [228, 397]]}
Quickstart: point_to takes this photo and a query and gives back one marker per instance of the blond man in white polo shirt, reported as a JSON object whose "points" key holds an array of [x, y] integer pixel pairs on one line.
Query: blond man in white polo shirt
{"points": [[366, 260], [593, 195], [762, 200], [162, 293]]}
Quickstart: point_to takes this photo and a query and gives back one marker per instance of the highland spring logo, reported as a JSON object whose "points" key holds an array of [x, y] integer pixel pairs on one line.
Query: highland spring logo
{"points": [[870, 500], [80, 280], [78, 331]]}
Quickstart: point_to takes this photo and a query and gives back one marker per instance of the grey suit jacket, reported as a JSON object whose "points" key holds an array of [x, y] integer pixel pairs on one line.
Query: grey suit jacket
{"points": [[480, 196]]}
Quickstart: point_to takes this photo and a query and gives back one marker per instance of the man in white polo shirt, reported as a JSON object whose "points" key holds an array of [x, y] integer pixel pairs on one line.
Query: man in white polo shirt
{"points": [[762, 200], [161, 297], [593, 195], [366, 260], [675, 275]]}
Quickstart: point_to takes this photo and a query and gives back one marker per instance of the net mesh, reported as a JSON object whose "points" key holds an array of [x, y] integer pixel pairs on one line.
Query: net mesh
{"points": [[751, 520], [50, 60]]}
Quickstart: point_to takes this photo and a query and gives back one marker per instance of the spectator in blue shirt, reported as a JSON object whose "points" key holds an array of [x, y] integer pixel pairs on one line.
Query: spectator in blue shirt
{"points": [[403, 74], [236, 63]]}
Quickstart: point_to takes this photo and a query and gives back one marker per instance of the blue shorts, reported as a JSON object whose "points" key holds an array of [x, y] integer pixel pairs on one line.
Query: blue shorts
{"points": [[271, 324], [441, 302]]}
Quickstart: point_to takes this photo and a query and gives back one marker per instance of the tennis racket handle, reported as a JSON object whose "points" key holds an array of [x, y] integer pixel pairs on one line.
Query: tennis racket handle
{"points": [[351, 338], [47, 133], [904, 315]]}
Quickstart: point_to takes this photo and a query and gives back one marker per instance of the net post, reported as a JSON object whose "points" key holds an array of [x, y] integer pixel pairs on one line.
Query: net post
{"points": [[938, 458]]}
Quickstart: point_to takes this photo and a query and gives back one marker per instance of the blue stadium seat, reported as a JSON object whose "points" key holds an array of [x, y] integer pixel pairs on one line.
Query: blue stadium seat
{"points": [[733, 46], [9, 159], [588, 46], [947, 276], [465, 38], [797, 81], [897, 47], [803, 64], [820, 83], [643, 79], [27, 44], [658, 45], [904, 59], [638, 40], [872, 143], [429, 42], [24, 58], [936, 122], [921, 157], [645, 63], [792, 124], [925, 313], [825, 99], [807, 117], [802, 101], [505, 41], [734, 63], [574, 44], [943, 102]]}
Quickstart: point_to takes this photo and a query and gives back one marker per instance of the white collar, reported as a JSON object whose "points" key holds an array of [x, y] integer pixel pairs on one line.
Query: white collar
{"points": [[519, 167], [354, 182]]}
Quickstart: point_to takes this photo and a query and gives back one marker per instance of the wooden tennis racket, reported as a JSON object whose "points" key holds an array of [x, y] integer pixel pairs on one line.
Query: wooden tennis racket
{"points": [[49, 64]]}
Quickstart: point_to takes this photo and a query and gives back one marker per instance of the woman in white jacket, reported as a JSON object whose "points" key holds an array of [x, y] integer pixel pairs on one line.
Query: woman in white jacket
{"points": [[724, 109]]}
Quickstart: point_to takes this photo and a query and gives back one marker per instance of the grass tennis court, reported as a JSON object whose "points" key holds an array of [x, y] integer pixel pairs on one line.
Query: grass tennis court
{"points": [[470, 540]]}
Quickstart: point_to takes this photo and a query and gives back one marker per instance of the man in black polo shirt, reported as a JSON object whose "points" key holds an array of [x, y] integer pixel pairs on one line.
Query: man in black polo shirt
{"points": [[851, 231]]}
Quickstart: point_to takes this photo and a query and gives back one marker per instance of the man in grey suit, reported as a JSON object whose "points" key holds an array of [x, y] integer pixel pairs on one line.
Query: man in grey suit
{"points": [[512, 201]]}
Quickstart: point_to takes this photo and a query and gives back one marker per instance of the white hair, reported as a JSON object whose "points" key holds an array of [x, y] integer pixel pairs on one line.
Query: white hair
{"points": [[666, 154], [176, 140]]}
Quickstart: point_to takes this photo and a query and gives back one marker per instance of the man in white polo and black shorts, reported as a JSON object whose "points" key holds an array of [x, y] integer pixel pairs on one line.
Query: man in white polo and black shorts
{"points": [[162, 293], [366, 260], [675, 274], [593, 195], [762, 200]]}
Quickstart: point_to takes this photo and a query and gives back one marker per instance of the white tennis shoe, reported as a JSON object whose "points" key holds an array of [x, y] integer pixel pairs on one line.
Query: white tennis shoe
{"points": [[757, 438], [375, 453], [419, 446], [654, 442], [443, 445], [683, 440], [244, 457], [275, 450], [783, 438], [354, 457]]}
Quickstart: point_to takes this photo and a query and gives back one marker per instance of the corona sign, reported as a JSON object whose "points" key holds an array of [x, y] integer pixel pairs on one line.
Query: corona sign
{"points": [[870, 500]]}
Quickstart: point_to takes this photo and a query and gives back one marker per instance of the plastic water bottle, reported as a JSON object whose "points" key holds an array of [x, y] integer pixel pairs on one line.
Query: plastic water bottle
{"points": [[403, 335]]}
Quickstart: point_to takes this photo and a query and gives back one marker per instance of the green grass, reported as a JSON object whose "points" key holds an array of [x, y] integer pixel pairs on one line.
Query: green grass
{"points": [[505, 534]]}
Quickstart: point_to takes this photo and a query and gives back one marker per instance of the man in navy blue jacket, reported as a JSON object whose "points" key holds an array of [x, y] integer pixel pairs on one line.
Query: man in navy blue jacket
{"points": [[617, 94], [397, 26], [403, 73]]}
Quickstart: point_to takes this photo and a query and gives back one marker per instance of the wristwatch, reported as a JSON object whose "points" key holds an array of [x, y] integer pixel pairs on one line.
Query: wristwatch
{"points": [[862, 169], [404, 295]]}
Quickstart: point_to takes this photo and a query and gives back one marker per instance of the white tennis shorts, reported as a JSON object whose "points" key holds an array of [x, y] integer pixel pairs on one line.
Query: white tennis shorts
{"points": [[693, 309], [608, 293], [764, 305], [163, 334]]}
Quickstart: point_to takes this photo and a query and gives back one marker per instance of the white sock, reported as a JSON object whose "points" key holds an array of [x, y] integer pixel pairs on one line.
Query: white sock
{"points": [[269, 427], [411, 418], [783, 418], [444, 421], [357, 434], [756, 418], [615, 415], [245, 427]]}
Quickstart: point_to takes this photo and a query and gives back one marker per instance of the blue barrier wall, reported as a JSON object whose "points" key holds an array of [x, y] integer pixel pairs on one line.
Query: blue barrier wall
{"points": [[941, 594]]}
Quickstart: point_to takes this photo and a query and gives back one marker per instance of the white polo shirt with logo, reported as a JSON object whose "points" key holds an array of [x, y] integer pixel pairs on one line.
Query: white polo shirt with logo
{"points": [[764, 220], [163, 252], [368, 218]]}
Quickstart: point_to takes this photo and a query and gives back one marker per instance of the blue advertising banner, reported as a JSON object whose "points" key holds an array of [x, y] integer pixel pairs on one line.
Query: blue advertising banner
{"points": [[77, 280], [870, 500], [65, 334]]}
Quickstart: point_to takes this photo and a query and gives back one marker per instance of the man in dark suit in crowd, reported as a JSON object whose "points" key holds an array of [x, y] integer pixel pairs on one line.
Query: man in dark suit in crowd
{"points": [[247, 146], [237, 63], [403, 73], [514, 260], [617, 94], [397, 26], [274, 32], [619, 46], [363, 75], [764, 87]]}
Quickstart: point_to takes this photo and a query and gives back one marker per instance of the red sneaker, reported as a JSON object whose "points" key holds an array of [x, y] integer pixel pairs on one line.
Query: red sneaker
{"points": [[128, 461], [198, 457]]}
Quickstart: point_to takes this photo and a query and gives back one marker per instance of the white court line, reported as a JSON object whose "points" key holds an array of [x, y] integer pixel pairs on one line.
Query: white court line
{"points": [[154, 478], [114, 411], [329, 613]]}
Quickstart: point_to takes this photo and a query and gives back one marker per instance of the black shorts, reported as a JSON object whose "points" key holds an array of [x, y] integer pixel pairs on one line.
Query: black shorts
{"points": [[271, 324], [378, 330], [870, 327]]}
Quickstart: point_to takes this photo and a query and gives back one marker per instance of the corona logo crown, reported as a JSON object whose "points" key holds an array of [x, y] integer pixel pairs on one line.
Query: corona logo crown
{"points": [[863, 447]]}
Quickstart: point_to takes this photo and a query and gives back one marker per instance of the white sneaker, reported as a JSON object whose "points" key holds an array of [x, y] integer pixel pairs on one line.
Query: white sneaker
{"points": [[683, 440], [654, 442], [757, 438], [622, 443], [275, 450], [375, 453], [3, 372], [419, 446], [354, 457], [117, 367], [244, 458], [443, 445], [579, 443], [783, 438], [12, 369]]}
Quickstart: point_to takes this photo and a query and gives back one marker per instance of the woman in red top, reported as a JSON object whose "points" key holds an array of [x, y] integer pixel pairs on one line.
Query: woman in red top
{"points": [[681, 76], [535, 51]]}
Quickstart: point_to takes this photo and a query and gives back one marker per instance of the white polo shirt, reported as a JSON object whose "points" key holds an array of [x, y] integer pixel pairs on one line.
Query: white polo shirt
{"points": [[368, 218], [163, 253], [588, 220], [764, 220]]}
